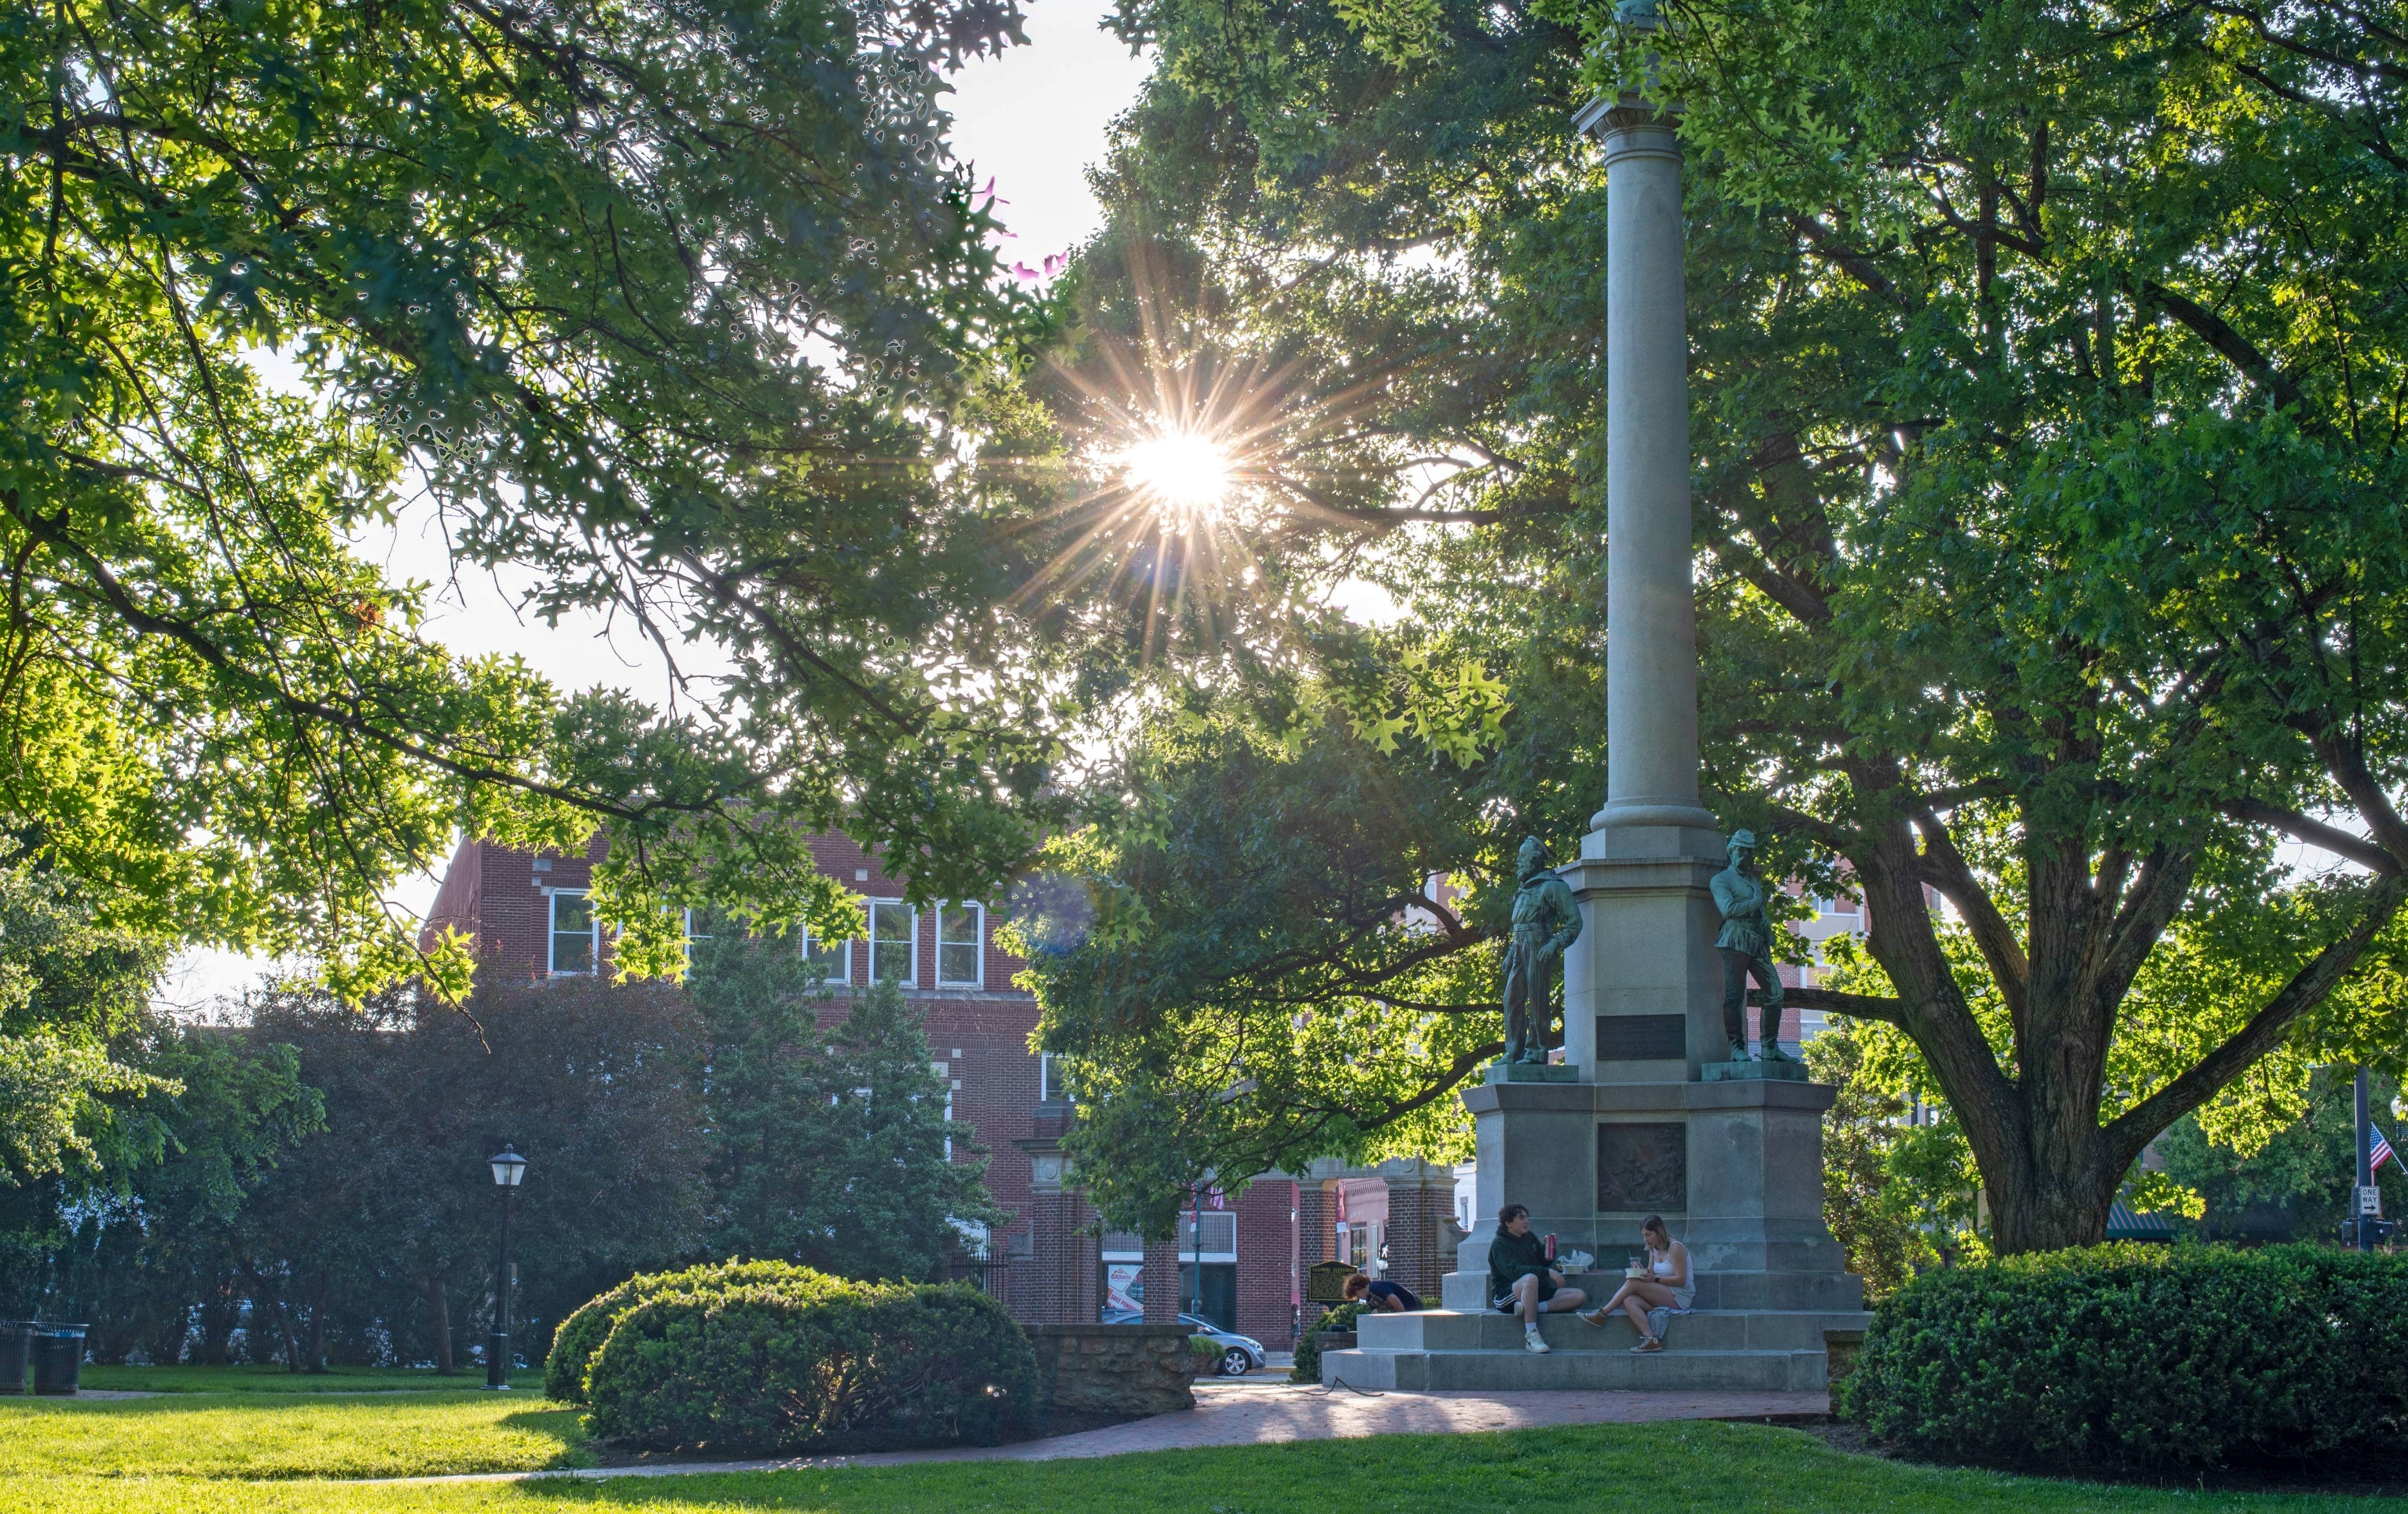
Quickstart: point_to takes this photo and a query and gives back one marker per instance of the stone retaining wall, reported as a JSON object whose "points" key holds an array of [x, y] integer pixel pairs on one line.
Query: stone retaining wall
{"points": [[1114, 1369]]}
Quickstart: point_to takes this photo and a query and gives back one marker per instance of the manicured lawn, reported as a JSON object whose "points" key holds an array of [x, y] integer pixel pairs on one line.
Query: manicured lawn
{"points": [[1694, 1468], [288, 1436], [276, 1380]]}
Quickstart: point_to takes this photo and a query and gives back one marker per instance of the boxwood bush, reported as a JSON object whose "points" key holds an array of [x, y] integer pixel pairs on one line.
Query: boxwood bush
{"points": [[1307, 1365], [2134, 1358], [581, 1333], [766, 1367]]}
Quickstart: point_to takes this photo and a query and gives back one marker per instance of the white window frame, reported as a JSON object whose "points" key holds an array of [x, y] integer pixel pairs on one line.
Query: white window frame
{"points": [[553, 933], [842, 977], [977, 944], [1053, 1079], [913, 978], [1216, 1220]]}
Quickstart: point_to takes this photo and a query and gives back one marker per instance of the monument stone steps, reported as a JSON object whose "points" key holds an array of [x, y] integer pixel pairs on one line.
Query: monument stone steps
{"points": [[1670, 1370], [1829, 1290], [1701, 1329]]}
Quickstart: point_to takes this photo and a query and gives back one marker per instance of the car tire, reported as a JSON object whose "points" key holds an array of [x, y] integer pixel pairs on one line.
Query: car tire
{"points": [[1235, 1362]]}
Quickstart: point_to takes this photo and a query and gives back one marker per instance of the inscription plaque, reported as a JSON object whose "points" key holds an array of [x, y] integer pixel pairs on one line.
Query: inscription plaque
{"points": [[1642, 1037], [1642, 1165]]}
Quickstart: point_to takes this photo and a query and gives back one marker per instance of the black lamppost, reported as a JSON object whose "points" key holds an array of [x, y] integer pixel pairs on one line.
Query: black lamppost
{"points": [[508, 1167]]}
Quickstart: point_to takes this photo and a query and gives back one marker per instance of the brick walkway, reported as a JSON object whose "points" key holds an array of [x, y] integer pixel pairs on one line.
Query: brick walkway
{"points": [[1261, 1410]]}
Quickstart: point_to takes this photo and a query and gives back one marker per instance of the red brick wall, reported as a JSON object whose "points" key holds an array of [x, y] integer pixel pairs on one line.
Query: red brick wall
{"points": [[1420, 1237], [1269, 1283], [1057, 1283], [1162, 1300]]}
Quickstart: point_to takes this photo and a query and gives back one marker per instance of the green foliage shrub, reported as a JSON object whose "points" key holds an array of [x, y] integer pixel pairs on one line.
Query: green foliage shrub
{"points": [[1308, 1346], [581, 1333], [2134, 1358], [783, 1364]]}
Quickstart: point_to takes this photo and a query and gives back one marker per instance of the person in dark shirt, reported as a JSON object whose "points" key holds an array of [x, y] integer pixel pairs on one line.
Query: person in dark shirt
{"points": [[1381, 1294], [1521, 1280]]}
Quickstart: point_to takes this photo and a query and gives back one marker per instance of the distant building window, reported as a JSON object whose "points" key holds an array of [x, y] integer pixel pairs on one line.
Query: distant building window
{"points": [[699, 926], [1220, 1237], [834, 959], [575, 938], [1053, 1079], [894, 943], [961, 931]]}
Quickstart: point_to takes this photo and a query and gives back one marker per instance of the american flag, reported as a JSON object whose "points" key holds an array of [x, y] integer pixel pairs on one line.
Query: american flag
{"points": [[2378, 1149]]}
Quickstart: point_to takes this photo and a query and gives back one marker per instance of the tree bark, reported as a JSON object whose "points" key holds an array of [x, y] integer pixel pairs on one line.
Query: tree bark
{"points": [[315, 1335], [2050, 1167], [439, 1320]]}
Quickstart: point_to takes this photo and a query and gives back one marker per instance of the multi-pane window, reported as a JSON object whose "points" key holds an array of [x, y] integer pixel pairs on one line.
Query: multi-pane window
{"points": [[1053, 1079], [894, 942], [574, 937], [961, 929], [834, 959]]}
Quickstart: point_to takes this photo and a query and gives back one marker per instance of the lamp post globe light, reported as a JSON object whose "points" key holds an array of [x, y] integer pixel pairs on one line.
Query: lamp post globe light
{"points": [[509, 1168]]}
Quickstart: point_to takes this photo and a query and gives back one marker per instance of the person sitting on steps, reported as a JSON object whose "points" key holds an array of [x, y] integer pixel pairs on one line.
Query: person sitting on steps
{"points": [[1521, 1280], [1667, 1286]]}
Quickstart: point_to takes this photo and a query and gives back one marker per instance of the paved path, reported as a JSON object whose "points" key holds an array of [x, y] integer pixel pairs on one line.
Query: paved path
{"points": [[1260, 1410]]}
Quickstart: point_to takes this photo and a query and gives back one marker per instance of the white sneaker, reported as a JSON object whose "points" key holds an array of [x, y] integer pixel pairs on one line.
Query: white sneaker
{"points": [[1530, 1342]]}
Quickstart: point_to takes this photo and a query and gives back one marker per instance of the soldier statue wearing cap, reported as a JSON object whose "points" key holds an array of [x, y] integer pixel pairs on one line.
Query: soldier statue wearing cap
{"points": [[1746, 946]]}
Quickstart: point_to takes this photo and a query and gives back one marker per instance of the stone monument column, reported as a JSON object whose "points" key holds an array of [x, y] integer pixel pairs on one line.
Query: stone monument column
{"points": [[1660, 1119], [1650, 612]]}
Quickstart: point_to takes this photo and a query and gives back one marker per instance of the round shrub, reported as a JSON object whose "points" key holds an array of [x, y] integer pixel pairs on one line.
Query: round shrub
{"points": [[764, 1367], [581, 1333], [1307, 1365], [2134, 1358]]}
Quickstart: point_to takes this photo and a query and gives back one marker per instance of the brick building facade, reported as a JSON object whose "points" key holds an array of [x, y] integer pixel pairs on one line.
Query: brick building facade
{"points": [[526, 913]]}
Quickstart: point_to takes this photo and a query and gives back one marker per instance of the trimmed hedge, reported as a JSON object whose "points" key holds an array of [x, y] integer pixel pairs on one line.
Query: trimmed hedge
{"points": [[768, 1367], [588, 1325], [1307, 1367], [2135, 1358]]}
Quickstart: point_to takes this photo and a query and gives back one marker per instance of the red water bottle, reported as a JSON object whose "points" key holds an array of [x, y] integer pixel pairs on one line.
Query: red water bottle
{"points": [[1551, 1246]]}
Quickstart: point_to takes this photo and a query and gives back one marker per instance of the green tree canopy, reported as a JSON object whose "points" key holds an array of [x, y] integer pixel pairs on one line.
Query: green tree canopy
{"points": [[830, 1146], [653, 300], [2047, 394]]}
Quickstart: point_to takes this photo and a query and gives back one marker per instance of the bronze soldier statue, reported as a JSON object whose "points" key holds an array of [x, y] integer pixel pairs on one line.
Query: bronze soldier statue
{"points": [[1546, 919], [1746, 946]]}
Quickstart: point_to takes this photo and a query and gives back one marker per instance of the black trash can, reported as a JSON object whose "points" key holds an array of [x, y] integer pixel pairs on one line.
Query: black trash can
{"points": [[58, 1357], [16, 1335]]}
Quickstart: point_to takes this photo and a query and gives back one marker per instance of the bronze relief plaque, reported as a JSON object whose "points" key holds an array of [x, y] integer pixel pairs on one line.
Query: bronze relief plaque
{"points": [[1642, 1165]]}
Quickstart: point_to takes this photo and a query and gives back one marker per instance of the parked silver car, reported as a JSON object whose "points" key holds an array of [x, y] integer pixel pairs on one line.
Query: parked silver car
{"points": [[1240, 1355]]}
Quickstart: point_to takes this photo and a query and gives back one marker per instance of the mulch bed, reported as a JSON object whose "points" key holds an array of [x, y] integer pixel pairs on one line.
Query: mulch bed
{"points": [[2374, 1471]]}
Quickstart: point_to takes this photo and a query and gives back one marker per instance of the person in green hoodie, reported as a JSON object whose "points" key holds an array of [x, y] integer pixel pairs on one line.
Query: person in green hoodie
{"points": [[1521, 1280]]}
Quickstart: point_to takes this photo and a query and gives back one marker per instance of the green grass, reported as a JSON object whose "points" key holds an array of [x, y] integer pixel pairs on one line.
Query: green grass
{"points": [[1691, 1469], [289, 1436], [276, 1380]]}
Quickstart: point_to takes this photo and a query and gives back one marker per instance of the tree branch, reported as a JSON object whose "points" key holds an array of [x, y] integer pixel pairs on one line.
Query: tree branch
{"points": [[2138, 1125]]}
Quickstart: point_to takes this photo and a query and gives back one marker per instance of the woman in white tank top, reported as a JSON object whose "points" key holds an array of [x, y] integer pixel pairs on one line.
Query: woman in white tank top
{"points": [[1669, 1285]]}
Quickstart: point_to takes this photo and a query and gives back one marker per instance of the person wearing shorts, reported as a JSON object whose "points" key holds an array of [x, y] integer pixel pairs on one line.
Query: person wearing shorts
{"points": [[1521, 1280]]}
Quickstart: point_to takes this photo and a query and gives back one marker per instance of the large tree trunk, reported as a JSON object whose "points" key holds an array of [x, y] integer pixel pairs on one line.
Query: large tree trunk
{"points": [[439, 1320], [220, 1313], [314, 1337], [2049, 1166]]}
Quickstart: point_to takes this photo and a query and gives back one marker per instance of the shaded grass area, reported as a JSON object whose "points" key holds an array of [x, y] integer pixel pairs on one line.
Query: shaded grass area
{"points": [[276, 1380], [288, 1436], [1666, 1469]]}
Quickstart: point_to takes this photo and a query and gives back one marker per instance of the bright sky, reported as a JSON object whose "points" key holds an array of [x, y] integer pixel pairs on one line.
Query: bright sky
{"points": [[1032, 121]]}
